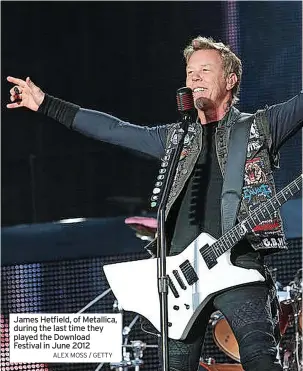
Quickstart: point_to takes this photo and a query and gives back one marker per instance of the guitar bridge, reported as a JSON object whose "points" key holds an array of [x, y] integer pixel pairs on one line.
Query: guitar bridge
{"points": [[179, 279], [172, 287]]}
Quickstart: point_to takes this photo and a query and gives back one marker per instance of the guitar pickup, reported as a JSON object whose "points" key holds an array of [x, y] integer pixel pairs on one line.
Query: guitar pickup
{"points": [[208, 256], [179, 279], [189, 272], [172, 287]]}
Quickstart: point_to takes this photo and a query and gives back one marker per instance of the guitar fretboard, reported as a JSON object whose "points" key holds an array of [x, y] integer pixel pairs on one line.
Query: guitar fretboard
{"points": [[261, 213]]}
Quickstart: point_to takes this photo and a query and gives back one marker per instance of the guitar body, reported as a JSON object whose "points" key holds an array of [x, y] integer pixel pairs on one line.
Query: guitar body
{"points": [[135, 285]]}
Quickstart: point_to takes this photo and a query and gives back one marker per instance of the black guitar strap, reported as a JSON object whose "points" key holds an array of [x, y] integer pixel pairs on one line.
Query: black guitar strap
{"points": [[234, 171]]}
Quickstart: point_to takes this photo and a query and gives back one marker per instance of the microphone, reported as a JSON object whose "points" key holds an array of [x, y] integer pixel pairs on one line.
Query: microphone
{"points": [[185, 103]]}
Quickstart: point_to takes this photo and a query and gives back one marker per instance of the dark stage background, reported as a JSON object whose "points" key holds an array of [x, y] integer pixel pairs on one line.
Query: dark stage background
{"points": [[124, 58]]}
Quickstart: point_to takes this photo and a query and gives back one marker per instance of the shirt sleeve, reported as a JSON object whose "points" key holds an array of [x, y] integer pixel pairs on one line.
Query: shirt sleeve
{"points": [[110, 129], [285, 119]]}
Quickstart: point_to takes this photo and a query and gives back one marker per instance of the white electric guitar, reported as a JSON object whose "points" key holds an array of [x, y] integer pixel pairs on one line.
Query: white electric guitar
{"points": [[194, 276]]}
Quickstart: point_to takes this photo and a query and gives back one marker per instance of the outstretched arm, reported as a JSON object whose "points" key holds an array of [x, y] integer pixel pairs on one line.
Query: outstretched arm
{"points": [[94, 124], [285, 119]]}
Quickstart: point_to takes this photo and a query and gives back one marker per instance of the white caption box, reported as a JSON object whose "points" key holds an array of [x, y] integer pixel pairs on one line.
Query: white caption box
{"points": [[72, 338]]}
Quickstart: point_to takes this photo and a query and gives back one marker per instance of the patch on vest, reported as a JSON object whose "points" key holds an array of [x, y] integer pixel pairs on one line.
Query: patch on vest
{"points": [[176, 136], [257, 190], [273, 242], [255, 140], [254, 174]]}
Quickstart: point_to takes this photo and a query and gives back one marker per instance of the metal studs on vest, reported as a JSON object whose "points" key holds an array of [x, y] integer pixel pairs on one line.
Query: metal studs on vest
{"points": [[156, 191], [161, 177]]}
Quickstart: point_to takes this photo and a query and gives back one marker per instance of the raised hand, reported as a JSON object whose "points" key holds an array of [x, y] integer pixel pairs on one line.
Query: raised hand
{"points": [[25, 94]]}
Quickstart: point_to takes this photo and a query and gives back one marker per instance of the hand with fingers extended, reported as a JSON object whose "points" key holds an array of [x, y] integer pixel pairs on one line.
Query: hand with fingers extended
{"points": [[25, 94]]}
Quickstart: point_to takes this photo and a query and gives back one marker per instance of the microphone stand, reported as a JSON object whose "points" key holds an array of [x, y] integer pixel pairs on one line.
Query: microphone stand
{"points": [[161, 243]]}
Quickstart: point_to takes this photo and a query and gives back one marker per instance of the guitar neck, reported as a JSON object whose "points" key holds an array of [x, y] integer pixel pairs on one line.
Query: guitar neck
{"points": [[261, 213]]}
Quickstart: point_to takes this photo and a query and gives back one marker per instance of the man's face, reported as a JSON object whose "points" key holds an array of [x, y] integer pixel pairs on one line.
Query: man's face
{"points": [[205, 76]]}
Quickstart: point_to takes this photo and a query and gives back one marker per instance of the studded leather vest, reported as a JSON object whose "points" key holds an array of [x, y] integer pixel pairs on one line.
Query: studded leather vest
{"points": [[258, 185]]}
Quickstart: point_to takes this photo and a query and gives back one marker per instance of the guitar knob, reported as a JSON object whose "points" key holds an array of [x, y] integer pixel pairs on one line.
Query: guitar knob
{"points": [[176, 307], [170, 324]]}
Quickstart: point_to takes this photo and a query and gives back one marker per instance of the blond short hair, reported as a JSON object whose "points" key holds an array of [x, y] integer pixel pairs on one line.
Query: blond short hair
{"points": [[231, 63]]}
